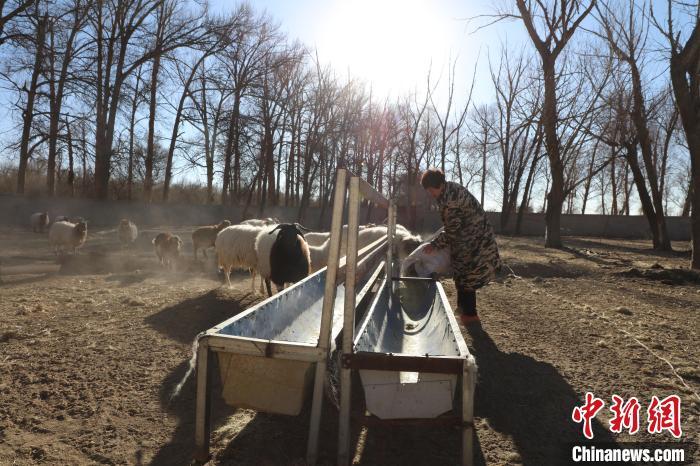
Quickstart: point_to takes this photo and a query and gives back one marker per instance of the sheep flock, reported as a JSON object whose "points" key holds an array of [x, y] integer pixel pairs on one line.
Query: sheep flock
{"points": [[279, 253]]}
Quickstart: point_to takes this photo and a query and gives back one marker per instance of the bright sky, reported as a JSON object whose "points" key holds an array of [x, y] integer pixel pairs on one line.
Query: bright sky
{"points": [[392, 43]]}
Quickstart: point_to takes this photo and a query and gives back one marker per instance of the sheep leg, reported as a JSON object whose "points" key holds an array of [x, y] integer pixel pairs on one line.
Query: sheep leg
{"points": [[252, 281], [227, 272], [204, 253], [267, 285]]}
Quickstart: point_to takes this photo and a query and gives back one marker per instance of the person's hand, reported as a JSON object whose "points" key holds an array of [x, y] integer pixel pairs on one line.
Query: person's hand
{"points": [[429, 248]]}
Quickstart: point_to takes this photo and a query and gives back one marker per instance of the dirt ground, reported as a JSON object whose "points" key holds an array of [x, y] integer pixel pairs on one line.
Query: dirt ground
{"points": [[91, 349]]}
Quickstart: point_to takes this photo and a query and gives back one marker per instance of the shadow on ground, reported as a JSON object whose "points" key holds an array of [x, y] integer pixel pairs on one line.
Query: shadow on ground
{"points": [[182, 322], [529, 401]]}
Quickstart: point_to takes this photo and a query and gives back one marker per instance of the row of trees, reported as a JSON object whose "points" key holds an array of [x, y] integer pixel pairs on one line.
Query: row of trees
{"points": [[622, 93], [117, 98]]}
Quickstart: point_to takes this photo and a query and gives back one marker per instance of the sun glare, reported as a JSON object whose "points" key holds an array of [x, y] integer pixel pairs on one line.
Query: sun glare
{"points": [[390, 43]]}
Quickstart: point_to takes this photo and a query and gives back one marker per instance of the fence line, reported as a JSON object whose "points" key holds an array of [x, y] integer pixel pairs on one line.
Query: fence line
{"points": [[15, 211]]}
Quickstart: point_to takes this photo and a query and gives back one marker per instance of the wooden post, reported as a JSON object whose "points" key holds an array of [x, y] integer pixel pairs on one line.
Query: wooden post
{"points": [[202, 423], [390, 231], [348, 321], [327, 315], [468, 386]]}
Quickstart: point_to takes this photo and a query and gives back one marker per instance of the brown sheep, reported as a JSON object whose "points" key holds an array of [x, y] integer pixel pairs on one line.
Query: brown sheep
{"points": [[204, 237], [167, 248]]}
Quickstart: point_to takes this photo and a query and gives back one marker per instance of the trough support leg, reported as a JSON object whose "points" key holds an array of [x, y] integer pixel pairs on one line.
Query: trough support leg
{"points": [[324, 339], [202, 423], [468, 386], [344, 456]]}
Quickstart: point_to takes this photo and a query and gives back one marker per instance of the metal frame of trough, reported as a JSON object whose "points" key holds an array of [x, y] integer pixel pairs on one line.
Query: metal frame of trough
{"points": [[350, 360], [210, 342]]}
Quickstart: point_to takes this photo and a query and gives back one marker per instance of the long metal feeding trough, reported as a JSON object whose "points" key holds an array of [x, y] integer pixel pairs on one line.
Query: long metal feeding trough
{"points": [[409, 351], [414, 324], [285, 325]]}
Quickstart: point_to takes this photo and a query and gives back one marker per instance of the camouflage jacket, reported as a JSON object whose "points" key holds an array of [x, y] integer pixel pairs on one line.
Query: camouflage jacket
{"points": [[469, 235]]}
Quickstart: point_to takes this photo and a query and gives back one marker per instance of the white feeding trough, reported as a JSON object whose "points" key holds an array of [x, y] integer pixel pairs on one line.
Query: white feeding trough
{"points": [[409, 351], [416, 326], [266, 353]]}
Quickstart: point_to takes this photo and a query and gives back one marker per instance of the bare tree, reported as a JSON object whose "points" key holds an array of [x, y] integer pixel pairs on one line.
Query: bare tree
{"points": [[447, 130], [9, 11], [216, 45], [39, 45], [551, 25], [516, 132], [64, 45], [685, 79], [626, 36]]}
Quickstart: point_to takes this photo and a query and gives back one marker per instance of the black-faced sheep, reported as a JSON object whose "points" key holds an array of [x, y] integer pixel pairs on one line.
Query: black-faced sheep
{"points": [[284, 257], [66, 235], [205, 237], [39, 221]]}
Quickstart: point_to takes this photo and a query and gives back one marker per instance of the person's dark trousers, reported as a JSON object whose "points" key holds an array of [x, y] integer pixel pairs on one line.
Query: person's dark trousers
{"points": [[466, 301]]}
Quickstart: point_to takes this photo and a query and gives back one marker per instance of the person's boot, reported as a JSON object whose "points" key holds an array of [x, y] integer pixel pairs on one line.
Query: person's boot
{"points": [[466, 315]]}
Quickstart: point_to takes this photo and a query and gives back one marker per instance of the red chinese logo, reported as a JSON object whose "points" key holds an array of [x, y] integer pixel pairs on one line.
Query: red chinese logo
{"points": [[665, 415], [587, 412], [625, 415], [661, 415]]}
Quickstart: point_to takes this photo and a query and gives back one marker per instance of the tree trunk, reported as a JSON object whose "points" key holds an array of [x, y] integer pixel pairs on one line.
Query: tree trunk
{"points": [[647, 205], [684, 65], [132, 126], [640, 122], [555, 198], [71, 165], [148, 181], [613, 186], [688, 200], [483, 170], [28, 114], [526, 195]]}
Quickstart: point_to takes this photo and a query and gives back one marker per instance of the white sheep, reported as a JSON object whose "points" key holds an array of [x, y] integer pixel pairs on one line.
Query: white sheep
{"points": [[127, 232], [39, 221], [436, 264], [405, 241], [317, 238], [66, 235], [366, 236], [260, 222], [235, 249]]}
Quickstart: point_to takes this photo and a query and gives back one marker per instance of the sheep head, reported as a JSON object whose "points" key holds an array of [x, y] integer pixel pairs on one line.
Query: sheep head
{"points": [[288, 233]]}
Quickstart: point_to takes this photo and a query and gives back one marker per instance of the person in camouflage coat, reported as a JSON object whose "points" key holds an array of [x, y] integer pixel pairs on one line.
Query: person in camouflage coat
{"points": [[469, 235]]}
